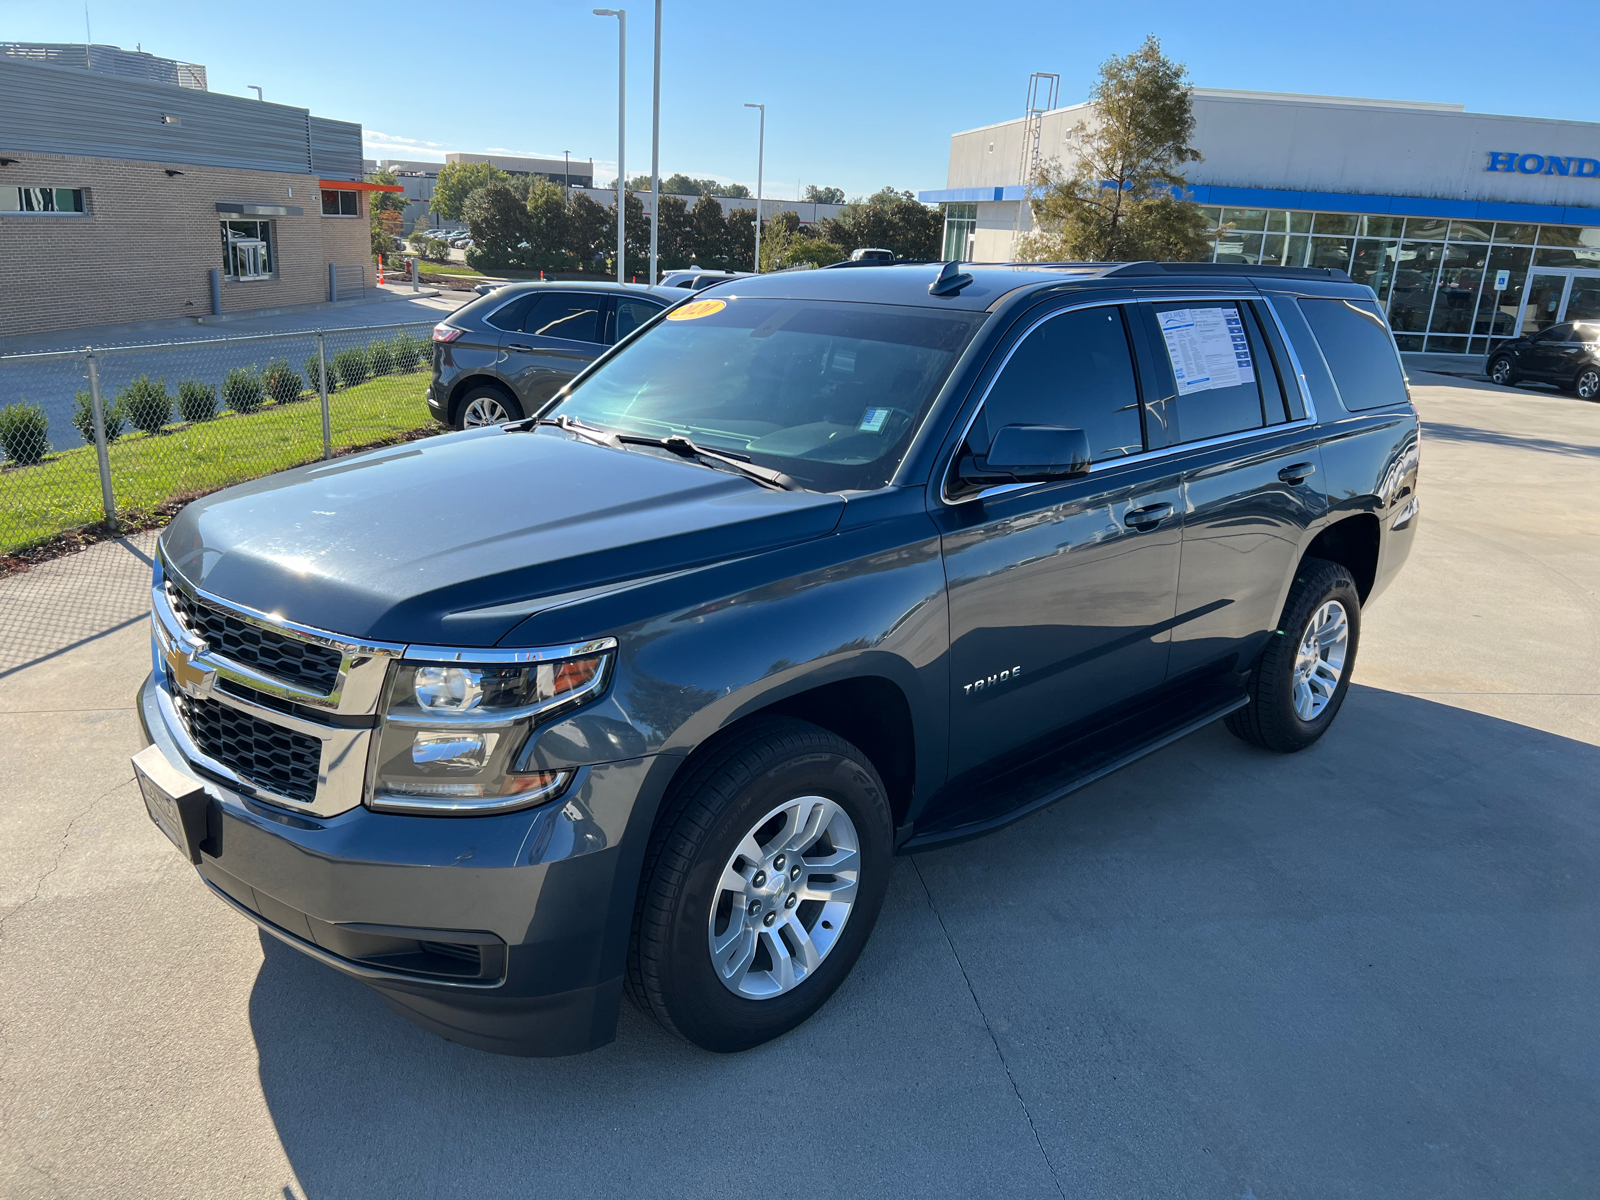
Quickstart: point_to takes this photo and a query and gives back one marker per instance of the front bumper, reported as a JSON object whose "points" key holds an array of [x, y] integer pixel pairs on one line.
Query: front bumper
{"points": [[545, 896]]}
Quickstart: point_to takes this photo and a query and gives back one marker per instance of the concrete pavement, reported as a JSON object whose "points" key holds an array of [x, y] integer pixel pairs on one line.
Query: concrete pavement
{"points": [[1366, 970]]}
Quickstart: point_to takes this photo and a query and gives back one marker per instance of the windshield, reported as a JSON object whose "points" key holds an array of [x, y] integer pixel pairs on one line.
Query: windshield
{"points": [[828, 393]]}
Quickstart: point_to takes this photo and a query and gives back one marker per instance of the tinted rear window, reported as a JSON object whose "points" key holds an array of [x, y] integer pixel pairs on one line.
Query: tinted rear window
{"points": [[1356, 343]]}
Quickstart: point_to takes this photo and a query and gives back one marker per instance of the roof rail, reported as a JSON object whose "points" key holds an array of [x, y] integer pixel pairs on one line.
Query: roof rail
{"points": [[1326, 274]]}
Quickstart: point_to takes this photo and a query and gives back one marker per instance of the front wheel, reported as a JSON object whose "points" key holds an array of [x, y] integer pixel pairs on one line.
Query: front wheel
{"points": [[1300, 680], [1587, 385], [1502, 372], [761, 884]]}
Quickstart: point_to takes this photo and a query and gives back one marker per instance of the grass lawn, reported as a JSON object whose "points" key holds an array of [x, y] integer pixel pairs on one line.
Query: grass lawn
{"points": [[63, 492], [449, 269]]}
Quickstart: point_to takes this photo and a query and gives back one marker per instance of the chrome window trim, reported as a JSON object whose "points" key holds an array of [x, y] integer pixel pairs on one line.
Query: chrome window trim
{"points": [[1309, 420]]}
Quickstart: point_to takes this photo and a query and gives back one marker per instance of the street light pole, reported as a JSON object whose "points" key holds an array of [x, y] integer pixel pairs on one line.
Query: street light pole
{"points": [[761, 157], [621, 14], [566, 173], [655, 155]]}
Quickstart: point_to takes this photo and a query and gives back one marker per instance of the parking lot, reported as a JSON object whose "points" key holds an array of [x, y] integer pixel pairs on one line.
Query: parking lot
{"points": [[1369, 970]]}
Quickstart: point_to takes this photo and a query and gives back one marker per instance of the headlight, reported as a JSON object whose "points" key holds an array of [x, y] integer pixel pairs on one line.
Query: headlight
{"points": [[452, 731]]}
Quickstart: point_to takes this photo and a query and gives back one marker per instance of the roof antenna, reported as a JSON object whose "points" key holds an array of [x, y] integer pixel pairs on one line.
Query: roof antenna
{"points": [[950, 281]]}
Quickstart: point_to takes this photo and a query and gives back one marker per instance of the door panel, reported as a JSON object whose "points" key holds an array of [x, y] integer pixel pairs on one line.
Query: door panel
{"points": [[1059, 606], [560, 335]]}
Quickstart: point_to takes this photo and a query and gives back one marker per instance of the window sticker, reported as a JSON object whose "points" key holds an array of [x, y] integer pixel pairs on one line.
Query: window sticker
{"points": [[1207, 347], [872, 420], [696, 309]]}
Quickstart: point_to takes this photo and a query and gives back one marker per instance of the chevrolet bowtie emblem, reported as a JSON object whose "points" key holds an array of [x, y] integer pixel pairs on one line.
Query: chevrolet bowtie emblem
{"points": [[191, 679]]}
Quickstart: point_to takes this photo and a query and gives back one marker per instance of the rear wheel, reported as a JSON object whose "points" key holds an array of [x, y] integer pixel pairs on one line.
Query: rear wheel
{"points": [[1502, 372], [1587, 385], [761, 885], [486, 406], [1300, 680]]}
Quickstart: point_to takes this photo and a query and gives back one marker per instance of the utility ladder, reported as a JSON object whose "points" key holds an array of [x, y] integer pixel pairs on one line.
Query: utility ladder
{"points": [[1043, 88]]}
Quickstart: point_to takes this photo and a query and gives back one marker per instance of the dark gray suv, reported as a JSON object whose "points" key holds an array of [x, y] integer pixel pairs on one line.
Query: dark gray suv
{"points": [[502, 356]]}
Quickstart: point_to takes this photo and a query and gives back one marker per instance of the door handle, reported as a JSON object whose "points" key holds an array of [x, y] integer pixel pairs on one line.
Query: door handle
{"points": [[517, 346], [1298, 473], [1147, 517]]}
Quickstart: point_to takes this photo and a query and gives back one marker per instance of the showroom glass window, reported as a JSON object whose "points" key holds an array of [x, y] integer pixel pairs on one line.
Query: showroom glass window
{"points": [[247, 249], [1434, 277], [59, 200], [337, 202], [960, 222]]}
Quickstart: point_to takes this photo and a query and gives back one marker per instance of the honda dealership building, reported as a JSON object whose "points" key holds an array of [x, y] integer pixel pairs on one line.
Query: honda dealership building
{"points": [[1470, 227]]}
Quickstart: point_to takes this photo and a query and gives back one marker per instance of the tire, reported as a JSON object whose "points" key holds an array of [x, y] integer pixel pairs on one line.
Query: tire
{"points": [[486, 405], [1282, 716], [1587, 384], [1502, 371], [686, 908]]}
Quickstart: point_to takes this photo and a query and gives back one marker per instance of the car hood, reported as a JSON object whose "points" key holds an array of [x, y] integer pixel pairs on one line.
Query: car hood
{"points": [[456, 540]]}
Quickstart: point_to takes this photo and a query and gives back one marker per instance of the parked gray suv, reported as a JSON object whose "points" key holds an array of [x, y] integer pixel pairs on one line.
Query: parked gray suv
{"points": [[500, 357]]}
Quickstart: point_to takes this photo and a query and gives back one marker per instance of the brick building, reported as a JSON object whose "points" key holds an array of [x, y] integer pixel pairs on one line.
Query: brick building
{"points": [[126, 200]]}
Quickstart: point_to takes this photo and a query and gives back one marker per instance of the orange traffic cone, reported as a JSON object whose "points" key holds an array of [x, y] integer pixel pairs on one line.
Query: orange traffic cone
{"points": [[380, 269]]}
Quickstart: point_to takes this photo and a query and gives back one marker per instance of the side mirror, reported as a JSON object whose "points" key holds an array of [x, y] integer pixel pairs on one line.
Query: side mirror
{"points": [[1029, 454]]}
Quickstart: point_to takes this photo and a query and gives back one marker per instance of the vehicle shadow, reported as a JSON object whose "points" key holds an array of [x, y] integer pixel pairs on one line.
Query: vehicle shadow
{"points": [[1367, 969], [1495, 437]]}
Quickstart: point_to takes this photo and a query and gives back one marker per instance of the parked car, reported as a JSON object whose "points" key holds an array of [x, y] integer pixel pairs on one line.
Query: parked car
{"points": [[461, 241], [500, 357], [871, 254], [697, 280], [1567, 355], [826, 566]]}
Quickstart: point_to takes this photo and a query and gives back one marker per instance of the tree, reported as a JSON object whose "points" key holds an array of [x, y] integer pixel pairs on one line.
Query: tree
{"points": [[386, 211], [499, 224], [824, 195], [591, 232], [893, 220], [548, 237], [741, 253], [683, 185], [786, 243], [1124, 199], [637, 236], [456, 182], [734, 191], [676, 242], [708, 233]]}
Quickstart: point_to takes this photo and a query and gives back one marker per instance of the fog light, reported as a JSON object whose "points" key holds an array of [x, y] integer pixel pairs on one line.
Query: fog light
{"points": [[469, 750], [455, 689]]}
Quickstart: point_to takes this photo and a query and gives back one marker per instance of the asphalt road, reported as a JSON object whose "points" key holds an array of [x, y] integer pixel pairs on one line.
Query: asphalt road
{"points": [[1369, 970]]}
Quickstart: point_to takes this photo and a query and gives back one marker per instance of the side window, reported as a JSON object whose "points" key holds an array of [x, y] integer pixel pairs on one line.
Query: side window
{"points": [[633, 313], [1360, 353], [509, 316], [1214, 351], [1073, 370], [1286, 380], [571, 315]]}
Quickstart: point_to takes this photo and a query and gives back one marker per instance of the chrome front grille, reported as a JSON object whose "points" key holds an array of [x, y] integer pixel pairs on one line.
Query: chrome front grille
{"points": [[260, 753], [292, 660]]}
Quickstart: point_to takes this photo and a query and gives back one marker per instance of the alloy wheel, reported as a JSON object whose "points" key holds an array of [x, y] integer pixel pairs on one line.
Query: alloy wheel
{"points": [[485, 410], [1319, 663], [784, 897], [1500, 372], [1588, 384]]}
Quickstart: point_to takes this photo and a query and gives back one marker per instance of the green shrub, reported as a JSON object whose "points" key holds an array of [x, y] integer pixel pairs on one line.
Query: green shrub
{"points": [[24, 432], [243, 390], [283, 384], [313, 366], [406, 351], [83, 418], [196, 401], [146, 403], [380, 357], [349, 367], [436, 250]]}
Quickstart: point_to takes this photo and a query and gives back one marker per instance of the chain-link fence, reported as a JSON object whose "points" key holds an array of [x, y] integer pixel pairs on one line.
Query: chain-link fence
{"points": [[113, 435]]}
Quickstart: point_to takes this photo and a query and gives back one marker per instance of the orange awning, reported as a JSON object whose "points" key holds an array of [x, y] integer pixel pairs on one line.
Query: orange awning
{"points": [[347, 185]]}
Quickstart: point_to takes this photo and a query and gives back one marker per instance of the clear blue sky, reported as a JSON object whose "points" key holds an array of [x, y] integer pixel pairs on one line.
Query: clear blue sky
{"points": [[858, 94]]}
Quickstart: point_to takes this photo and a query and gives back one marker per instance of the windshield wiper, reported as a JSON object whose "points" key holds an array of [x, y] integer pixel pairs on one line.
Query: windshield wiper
{"points": [[589, 433], [684, 448]]}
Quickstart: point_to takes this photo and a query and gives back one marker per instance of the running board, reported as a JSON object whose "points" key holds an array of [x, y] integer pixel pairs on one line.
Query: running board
{"points": [[1074, 773]]}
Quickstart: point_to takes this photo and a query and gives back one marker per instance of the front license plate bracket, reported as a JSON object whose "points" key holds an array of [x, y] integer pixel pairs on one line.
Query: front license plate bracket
{"points": [[177, 804]]}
